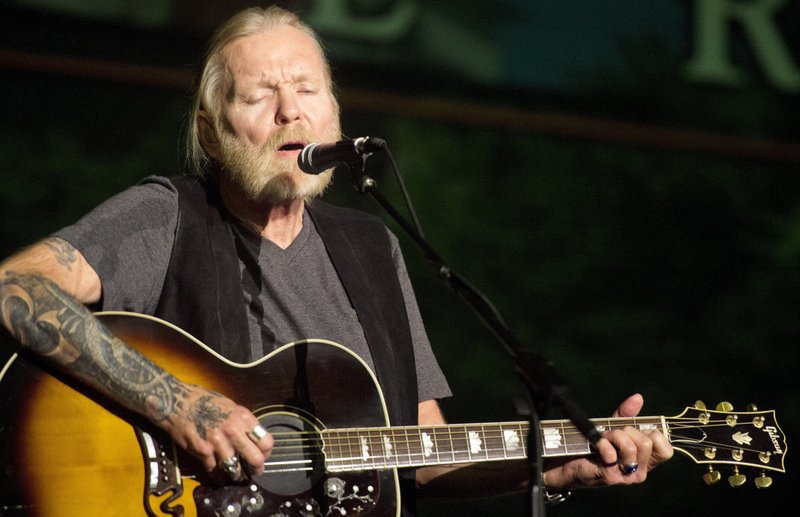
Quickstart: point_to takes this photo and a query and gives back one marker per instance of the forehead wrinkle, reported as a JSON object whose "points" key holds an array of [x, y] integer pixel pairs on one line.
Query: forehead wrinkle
{"points": [[276, 63]]}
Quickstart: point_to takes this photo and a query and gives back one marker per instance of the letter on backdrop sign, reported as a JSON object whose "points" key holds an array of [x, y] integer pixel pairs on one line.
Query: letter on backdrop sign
{"points": [[382, 22], [711, 60]]}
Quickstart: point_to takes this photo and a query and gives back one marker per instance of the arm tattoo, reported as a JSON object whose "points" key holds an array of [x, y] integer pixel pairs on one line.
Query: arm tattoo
{"points": [[50, 323], [63, 251]]}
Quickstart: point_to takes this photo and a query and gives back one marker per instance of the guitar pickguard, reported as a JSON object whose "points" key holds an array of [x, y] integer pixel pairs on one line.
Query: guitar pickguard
{"points": [[294, 483]]}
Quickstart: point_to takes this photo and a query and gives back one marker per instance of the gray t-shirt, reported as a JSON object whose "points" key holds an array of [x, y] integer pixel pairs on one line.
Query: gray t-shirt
{"points": [[297, 294]]}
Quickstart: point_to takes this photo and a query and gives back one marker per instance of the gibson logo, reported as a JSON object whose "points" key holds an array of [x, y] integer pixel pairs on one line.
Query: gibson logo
{"points": [[773, 435]]}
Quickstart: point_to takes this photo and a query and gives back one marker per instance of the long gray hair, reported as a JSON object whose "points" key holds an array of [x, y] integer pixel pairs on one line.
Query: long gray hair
{"points": [[208, 95]]}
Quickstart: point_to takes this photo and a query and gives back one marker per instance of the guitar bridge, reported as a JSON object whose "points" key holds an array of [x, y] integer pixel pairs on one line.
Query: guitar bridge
{"points": [[162, 475]]}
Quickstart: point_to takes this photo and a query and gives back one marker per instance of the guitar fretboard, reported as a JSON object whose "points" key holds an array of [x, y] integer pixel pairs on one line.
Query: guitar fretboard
{"points": [[389, 447]]}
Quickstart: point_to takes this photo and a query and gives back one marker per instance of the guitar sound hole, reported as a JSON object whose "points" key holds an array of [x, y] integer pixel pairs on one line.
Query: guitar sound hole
{"points": [[296, 463]]}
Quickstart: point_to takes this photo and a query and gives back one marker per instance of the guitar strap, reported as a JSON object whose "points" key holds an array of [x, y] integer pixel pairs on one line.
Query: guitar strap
{"points": [[203, 280]]}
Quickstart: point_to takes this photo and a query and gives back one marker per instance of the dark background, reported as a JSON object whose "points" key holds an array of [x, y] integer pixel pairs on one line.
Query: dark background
{"points": [[637, 226]]}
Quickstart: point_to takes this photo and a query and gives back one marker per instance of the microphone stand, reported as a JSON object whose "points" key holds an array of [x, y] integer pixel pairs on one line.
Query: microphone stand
{"points": [[544, 388]]}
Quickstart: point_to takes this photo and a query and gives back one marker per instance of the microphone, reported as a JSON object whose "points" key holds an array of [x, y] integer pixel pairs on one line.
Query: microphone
{"points": [[316, 158]]}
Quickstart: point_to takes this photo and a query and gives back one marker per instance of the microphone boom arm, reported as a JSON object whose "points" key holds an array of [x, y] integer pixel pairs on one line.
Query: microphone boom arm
{"points": [[537, 373]]}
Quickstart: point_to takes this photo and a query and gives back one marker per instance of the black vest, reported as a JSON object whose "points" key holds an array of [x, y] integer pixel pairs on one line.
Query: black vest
{"points": [[203, 291]]}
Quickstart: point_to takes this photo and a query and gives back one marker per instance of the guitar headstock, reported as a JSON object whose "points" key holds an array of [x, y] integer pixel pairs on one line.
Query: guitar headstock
{"points": [[730, 438]]}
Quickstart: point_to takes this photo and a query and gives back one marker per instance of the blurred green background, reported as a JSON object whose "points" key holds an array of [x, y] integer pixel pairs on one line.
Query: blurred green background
{"points": [[620, 178]]}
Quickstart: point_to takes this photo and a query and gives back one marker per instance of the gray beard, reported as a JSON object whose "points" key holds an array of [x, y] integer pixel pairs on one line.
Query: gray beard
{"points": [[263, 177]]}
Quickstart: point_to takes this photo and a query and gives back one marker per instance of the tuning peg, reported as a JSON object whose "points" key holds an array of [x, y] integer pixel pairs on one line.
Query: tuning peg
{"points": [[725, 406], [752, 407], [712, 476], [700, 404], [736, 479], [763, 480]]}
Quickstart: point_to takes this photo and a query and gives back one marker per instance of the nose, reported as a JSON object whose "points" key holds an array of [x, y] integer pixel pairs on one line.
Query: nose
{"points": [[287, 110]]}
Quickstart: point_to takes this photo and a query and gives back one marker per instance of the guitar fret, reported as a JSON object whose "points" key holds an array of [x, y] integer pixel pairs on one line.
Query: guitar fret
{"points": [[442, 445], [576, 442], [412, 440], [497, 442], [421, 446], [378, 453], [552, 439], [460, 448], [352, 447], [403, 449], [351, 453], [478, 445], [523, 434], [452, 446], [388, 449], [374, 446], [430, 446], [331, 448], [367, 449], [512, 441]]}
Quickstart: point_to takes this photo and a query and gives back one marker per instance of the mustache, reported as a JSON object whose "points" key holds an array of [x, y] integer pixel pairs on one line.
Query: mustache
{"points": [[289, 136]]}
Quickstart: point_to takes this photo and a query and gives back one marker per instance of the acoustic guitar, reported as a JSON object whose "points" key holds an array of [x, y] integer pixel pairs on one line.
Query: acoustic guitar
{"points": [[66, 451]]}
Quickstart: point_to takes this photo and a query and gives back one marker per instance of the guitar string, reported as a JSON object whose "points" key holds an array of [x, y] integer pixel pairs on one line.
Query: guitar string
{"points": [[616, 424], [334, 438], [342, 435], [449, 430]]}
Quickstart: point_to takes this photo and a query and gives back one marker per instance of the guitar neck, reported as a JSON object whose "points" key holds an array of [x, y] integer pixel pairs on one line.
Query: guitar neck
{"points": [[419, 446]]}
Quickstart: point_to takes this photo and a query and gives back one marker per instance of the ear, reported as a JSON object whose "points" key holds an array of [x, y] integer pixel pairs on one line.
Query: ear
{"points": [[207, 134]]}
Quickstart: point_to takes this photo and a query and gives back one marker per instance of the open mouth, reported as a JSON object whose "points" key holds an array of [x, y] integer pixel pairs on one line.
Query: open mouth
{"points": [[291, 146]]}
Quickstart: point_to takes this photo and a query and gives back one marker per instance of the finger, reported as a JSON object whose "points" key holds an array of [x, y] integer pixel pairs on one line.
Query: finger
{"points": [[209, 462], [262, 439], [227, 451], [250, 452], [606, 451], [257, 433], [251, 440], [230, 466], [629, 407], [634, 451], [662, 448], [625, 442], [644, 445]]}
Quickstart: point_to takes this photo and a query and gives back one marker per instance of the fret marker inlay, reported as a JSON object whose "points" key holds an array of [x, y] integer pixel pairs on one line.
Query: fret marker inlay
{"points": [[387, 445], [364, 449], [427, 444], [475, 442], [552, 438], [511, 439]]}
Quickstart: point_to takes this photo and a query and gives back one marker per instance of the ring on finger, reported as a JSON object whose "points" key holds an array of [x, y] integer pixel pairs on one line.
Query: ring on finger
{"points": [[257, 433], [628, 468], [230, 466]]}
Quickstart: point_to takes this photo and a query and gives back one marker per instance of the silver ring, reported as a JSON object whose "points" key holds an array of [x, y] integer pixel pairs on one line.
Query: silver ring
{"points": [[230, 465], [258, 433], [629, 468]]}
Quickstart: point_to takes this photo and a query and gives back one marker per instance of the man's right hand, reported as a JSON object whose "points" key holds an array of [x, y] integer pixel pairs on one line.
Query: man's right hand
{"points": [[215, 429]]}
